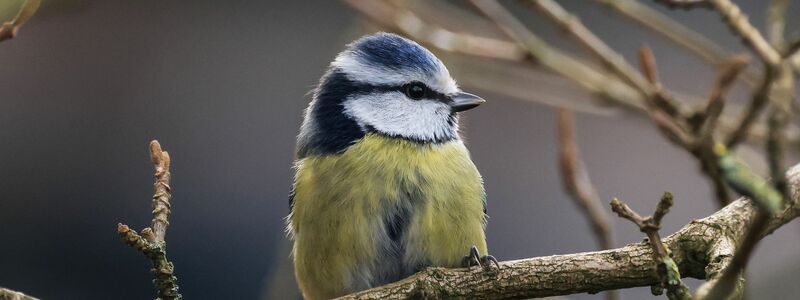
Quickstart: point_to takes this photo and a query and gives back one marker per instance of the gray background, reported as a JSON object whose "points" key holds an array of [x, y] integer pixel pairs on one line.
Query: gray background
{"points": [[222, 85]]}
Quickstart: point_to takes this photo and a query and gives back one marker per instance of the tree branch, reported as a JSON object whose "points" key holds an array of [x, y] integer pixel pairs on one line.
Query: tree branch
{"points": [[529, 48], [580, 188], [776, 23], [666, 269], [6, 294], [755, 106], [738, 22], [572, 25], [9, 29], [577, 183], [151, 240], [708, 242]]}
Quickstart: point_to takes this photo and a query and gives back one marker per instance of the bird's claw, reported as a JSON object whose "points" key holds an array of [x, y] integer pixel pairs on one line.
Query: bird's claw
{"points": [[475, 259]]}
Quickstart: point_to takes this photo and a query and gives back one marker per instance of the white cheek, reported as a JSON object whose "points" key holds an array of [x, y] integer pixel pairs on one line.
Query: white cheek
{"points": [[394, 114]]}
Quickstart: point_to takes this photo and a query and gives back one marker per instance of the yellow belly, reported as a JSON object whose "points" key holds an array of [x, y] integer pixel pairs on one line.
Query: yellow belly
{"points": [[340, 204]]}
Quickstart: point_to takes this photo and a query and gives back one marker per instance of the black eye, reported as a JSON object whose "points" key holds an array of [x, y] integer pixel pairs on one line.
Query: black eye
{"points": [[415, 90]]}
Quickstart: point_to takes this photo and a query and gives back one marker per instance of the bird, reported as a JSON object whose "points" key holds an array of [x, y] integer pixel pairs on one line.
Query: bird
{"points": [[384, 185]]}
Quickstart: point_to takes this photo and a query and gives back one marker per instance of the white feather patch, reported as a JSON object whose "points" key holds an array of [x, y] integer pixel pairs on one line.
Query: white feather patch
{"points": [[392, 113]]}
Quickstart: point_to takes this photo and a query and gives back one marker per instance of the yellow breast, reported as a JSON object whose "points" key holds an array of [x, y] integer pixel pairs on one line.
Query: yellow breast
{"points": [[340, 204]]}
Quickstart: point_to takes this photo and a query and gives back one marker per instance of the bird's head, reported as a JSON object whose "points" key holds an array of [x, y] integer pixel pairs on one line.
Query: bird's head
{"points": [[389, 85]]}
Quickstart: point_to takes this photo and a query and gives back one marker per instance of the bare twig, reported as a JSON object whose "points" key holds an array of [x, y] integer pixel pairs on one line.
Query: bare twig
{"points": [[776, 22], [738, 22], [674, 126], [151, 241], [666, 268], [6, 294], [716, 99], [572, 25], [676, 32], [557, 61], [658, 100], [385, 14], [673, 30], [782, 96], [713, 237], [9, 29], [755, 106], [577, 183], [607, 88]]}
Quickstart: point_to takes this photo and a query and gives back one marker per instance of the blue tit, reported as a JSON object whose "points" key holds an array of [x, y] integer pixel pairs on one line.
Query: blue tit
{"points": [[383, 185]]}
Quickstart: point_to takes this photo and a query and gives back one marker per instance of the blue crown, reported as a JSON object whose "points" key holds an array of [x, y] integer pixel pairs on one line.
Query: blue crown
{"points": [[393, 51]]}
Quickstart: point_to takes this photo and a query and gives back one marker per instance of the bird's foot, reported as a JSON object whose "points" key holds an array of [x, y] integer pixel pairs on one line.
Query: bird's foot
{"points": [[475, 259]]}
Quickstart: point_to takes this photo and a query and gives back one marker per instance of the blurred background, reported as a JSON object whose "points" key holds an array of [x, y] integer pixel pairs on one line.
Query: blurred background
{"points": [[87, 84]]}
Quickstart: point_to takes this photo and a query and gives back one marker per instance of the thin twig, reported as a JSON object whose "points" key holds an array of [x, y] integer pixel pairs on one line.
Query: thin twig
{"points": [[606, 88], [163, 193], [716, 100], [666, 268], [9, 29], [776, 22], [557, 61], [663, 111], [572, 25], [676, 32], [580, 188], [403, 20], [780, 113], [577, 183], [658, 99], [151, 242], [739, 24], [754, 107], [674, 126]]}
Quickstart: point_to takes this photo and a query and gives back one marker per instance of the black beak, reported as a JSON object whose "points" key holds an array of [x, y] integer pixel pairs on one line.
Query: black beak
{"points": [[464, 101]]}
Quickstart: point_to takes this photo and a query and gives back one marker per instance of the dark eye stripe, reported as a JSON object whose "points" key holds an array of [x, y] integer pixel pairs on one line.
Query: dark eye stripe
{"points": [[364, 88]]}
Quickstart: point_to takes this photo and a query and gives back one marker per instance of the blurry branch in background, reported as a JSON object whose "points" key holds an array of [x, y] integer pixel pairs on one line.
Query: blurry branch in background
{"points": [[667, 271], [676, 32], [694, 132], [9, 29], [702, 128], [740, 26], [428, 23], [578, 185], [151, 241], [6, 294]]}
